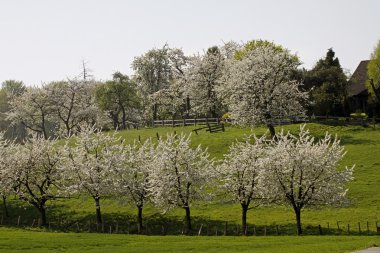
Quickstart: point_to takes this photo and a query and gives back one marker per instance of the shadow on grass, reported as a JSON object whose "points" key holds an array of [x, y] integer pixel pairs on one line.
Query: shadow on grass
{"points": [[157, 224]]}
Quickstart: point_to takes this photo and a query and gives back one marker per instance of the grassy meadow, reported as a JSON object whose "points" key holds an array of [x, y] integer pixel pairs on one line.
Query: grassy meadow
{"points": [[12, 240], [215, 216]]}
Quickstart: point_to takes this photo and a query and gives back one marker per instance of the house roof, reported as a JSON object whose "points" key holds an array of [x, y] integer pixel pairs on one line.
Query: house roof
{"points": [[356, 84]]}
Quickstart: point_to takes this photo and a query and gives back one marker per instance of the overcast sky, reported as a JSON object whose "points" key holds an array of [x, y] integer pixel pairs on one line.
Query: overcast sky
{"points": [[45, 40]]}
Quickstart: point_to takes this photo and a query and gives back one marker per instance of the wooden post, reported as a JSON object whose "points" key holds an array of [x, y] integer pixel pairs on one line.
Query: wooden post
{"points": [[162, 122], [184, 122], [110, 229], [225, 229], [360, 231], [139, 138], [18, 220], [265, 230], [200, 230], [78, 227], [348, 228], [320, 229], [158, 137], [34, 220], [216, 230]]}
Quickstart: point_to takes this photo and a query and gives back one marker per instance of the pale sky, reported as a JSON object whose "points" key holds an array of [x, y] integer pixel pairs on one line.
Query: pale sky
{"points": [[46, 40]]}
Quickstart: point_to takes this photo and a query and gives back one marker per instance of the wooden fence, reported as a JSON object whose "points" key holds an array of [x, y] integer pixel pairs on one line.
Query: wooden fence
{"points": [[200, 228], [186, 122]]}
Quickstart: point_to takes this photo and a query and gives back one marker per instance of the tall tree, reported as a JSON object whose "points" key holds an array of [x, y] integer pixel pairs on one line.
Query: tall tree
{"points": [[119, 96], [261, 88], [153, 72], [204, 75], [241, 172], [33, 110], [71, 103], [303, 172], [373, 72], [89, 165], [327, 84], [131, 177], [179, 174], [36, 172]]}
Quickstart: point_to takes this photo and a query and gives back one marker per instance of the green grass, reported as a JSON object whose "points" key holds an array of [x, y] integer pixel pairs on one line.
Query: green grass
{"points": [[12, 240], [363, 149]]}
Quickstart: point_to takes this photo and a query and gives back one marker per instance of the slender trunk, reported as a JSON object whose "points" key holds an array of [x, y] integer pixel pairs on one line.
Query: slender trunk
{"points": [[124, 118], [298, 218], [43, 215], [272, 131], [98, 213], [139, 219], [5, 206], [244, 209], [155, 112], [188, 219]]}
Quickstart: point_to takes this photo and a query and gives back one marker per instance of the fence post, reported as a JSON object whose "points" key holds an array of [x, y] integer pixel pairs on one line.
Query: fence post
{"points": [[320, 229], [18, 220], [225, 229], [348, 228], [277, 230], [200, 230], [360, 231]]}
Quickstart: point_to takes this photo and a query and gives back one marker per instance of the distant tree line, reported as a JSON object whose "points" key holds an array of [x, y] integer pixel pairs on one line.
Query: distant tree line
{"points": [[257, 82]]}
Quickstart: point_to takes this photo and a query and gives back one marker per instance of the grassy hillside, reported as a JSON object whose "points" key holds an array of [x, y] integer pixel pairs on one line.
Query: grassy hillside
{"points": [[96, 243], [363, 150]]}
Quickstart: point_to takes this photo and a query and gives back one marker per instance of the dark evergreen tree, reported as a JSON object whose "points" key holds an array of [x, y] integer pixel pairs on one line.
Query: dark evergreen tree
{"points": [[327, 84]]}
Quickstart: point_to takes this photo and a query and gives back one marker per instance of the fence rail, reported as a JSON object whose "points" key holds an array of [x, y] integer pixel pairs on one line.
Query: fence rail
{"points": [[186, 122]]}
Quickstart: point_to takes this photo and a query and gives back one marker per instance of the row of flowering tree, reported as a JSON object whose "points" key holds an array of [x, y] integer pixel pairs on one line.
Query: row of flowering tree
{"points": [[255, 82], [292, 169]]}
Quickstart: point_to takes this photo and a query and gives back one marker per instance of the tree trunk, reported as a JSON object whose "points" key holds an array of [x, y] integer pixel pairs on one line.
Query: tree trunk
{"points": [[188, 219], [124, 118], [272, 131], [139, 219], [298, 218], [98, 213], [155, 112], [43, 215], [244, 209], [5, 206]]}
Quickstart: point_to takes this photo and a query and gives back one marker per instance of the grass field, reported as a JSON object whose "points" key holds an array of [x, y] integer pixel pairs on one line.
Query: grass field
{"points": [[40, 242], [363, 149]]}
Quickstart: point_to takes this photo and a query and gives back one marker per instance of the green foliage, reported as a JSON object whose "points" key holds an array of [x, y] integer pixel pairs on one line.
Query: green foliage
{"points": [[119, 98], [253, 44], [327, 84], [373, 71]]}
